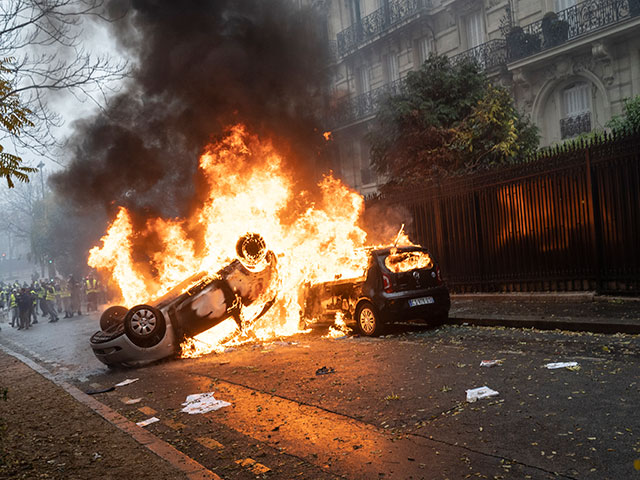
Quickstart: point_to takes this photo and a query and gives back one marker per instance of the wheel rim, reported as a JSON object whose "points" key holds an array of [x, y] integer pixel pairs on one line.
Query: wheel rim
{"points": [[143, 322], [367, 320]]}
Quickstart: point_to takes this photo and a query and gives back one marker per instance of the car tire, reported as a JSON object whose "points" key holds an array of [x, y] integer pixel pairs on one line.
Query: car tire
{"points": [[145, 326], [112, 316], [368, 321]]}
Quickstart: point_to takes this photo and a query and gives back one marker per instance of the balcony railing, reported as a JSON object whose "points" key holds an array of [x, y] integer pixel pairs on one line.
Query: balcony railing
{"points": [[583, 18], [352, 109], [488, 55], [389, 15], [575, 125]]}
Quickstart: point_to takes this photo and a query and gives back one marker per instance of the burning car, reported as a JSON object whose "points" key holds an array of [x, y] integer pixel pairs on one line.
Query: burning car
{"points": [[146, 333], [399, 284]]}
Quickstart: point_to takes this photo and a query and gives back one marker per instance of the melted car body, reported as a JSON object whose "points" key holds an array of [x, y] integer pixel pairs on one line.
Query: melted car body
{"points": [[399, 284], [149, 332]]}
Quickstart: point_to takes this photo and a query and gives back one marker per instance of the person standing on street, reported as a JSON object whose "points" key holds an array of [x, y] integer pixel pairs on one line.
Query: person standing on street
{"points": [[50, 298], [33, 314], [13, 306], [24, 302], [76, 295]]}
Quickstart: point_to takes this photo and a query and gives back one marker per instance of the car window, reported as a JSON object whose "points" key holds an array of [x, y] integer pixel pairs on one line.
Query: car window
{"points": [[406, 261]]}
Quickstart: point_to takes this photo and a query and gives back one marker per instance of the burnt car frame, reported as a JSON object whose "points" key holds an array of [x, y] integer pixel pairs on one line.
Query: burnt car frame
{"points": [[150, 332], [399, 284]]}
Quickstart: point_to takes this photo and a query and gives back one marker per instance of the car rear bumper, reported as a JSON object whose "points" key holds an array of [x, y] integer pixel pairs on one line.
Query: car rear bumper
{"points": [[395, 307]]}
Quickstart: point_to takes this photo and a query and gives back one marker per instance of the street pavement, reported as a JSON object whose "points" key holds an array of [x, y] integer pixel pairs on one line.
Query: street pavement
{"points": [[394, 407]]}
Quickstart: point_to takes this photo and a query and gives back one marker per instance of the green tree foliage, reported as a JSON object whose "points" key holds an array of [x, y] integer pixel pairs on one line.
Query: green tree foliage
{"points": [[14, 117], [448, 119], [630, 118]]}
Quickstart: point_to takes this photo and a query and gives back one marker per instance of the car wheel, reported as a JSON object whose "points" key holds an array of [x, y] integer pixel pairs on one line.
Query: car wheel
{"points": [[145, 326], [112, 316], [368, 321]]}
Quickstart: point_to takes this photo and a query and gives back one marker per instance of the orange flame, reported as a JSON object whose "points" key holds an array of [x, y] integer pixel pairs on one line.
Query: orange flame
{"points": [[249, 190]]}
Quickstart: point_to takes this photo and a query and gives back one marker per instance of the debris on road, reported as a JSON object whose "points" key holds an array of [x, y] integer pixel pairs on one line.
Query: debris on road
{"points": [[148, 421], [325, 371], [126, 382], [490, 363], [553, 366], [479, 393], [131, 401], [202, 403]]}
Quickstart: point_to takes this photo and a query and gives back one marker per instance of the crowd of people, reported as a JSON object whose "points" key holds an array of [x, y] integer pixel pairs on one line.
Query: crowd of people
{"points": [[49, 298]]}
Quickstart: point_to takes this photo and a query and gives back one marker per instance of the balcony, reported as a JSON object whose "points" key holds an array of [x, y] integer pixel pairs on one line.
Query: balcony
{"points": [[575, 125], [488, 56], [353, 109], [390, 15], [581, 19]]}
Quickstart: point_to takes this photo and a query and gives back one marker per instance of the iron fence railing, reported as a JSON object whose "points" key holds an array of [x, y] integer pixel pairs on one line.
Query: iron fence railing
{"points": [[488, 55], [575, 125], [556, 29], [351, 109], [569, 220], [390, 14]]}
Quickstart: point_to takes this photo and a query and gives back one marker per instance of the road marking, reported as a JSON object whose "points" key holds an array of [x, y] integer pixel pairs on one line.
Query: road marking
{"points": [[210, 443], [254, 466]]}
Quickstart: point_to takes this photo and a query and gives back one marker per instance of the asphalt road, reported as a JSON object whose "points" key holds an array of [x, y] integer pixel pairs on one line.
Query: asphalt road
{"points": [[394, 407]]}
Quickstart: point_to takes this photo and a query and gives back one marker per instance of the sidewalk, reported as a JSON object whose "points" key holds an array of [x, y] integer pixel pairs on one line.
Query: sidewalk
{"points": [[54, 431], [581, 311]]}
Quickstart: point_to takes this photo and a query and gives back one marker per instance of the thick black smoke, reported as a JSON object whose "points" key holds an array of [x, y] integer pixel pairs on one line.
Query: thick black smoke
{"points": [[201, 66]]}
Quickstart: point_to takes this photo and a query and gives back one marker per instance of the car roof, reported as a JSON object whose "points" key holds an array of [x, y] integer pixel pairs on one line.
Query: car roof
{"points": [[406, 248]]}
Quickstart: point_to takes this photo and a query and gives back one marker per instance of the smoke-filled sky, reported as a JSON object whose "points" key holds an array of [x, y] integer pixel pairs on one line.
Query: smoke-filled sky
{"points": [[200, 66]]}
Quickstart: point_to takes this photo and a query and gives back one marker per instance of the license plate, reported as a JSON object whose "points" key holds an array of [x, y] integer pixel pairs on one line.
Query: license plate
{"points": [[414, 302]]}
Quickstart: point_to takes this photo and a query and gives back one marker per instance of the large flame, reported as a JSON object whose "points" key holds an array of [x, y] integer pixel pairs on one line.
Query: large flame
{"points": [[249, 191]]}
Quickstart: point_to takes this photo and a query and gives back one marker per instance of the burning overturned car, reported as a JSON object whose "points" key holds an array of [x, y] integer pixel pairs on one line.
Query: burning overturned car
{"points": [[146, 333], [399, 284]]}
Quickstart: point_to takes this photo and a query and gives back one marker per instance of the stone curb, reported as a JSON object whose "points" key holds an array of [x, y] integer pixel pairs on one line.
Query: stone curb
{"points": [[192, 469], [582, 325]]}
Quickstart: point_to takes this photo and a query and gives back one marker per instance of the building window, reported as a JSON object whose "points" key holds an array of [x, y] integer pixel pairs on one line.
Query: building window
{"points": [[367, 175], [577, 110], [424, 49], [564, 4], [363, 83], [393, 70], [475, 29]]}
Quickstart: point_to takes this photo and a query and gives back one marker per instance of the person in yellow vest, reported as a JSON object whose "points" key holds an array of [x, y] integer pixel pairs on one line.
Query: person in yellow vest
{"points": [[92, 294], [65, 295], [33, 313], [50, 298], [13, 306], [41, 293]]}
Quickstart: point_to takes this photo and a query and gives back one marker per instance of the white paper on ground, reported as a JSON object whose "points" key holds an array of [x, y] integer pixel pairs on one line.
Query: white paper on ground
{"points": [[480, 392], [148, 421], [131, 401], [126, 382], [552, 366], [203, 403]]}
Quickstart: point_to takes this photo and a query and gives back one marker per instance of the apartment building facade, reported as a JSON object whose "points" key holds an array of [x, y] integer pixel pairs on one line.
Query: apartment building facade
{"points": [[569, 64]]}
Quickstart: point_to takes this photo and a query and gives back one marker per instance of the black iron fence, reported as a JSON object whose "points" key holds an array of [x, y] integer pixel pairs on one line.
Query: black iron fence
{"points": [[351, 109], [558, 28], [391, 13], [569, 220], [488, 55]]}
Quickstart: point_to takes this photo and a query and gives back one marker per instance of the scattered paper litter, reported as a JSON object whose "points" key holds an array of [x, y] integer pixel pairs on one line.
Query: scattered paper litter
{"points": [[552, 366], [148, 421], [131, 401], [203, 403], [127, 382], [480, 392], [490, 363]]}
